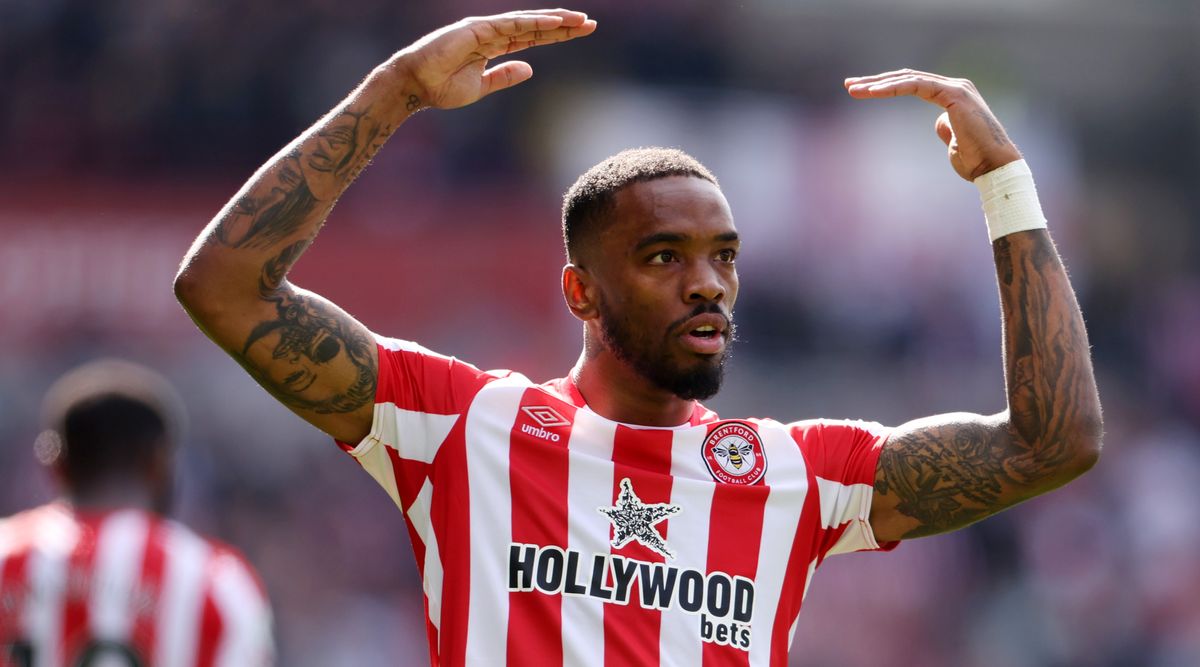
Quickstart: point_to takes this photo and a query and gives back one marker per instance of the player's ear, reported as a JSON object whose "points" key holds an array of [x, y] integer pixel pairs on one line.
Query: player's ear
{"points": [[579, 292]]}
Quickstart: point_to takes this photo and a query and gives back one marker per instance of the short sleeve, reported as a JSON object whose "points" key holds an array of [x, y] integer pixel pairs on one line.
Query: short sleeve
{"points": [[419, 397], [843, 454]]}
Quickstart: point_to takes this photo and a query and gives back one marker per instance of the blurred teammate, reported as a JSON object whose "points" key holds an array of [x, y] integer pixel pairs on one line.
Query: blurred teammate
{"points": [[607, 517], [100, 578]]}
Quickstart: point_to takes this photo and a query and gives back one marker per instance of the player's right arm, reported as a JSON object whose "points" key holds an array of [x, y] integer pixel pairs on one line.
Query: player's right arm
{"points": [[311, 355]]}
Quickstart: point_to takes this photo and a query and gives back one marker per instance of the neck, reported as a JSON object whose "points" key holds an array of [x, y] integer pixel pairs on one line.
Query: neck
{"points": [[615, 391], [112, 496]]}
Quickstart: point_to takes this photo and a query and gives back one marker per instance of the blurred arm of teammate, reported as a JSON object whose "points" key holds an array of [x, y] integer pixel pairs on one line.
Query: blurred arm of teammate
{"points": [[311, 355], [942, 473]]}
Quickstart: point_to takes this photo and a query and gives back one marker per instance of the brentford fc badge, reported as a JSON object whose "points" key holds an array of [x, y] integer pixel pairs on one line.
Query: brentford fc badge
{"points": [[734, 453]]}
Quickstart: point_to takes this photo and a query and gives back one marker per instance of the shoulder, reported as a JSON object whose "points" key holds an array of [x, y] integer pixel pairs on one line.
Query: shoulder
{"points": [[816, 429], [43, 528], [224, 567]]}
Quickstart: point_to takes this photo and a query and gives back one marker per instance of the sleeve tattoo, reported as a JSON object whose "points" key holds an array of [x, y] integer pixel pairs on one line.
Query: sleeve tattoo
{"points": [[302, 353], [958, 469]]}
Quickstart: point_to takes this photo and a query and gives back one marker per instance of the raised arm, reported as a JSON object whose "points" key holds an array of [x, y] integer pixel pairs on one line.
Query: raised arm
{"points": [[942, 473], [311, 355]]}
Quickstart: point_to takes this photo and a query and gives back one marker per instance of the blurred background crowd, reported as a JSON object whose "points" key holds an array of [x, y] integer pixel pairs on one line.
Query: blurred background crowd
{"points": [[867, 283]]}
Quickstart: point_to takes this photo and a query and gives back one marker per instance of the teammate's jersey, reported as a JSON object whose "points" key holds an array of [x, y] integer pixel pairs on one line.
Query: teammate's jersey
{"points": [[549, 535], [125, 588]]}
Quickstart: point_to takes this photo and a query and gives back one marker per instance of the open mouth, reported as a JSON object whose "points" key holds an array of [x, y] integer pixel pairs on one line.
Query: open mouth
{"points": [[705, 339]]}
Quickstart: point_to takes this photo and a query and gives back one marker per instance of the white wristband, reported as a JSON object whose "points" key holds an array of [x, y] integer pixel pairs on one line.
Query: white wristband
{"points": [[1010, 201]]}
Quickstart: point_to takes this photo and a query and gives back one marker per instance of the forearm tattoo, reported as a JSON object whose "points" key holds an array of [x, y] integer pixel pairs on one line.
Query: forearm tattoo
{"points": [[947, 475], [310, 355], [297, 193]]}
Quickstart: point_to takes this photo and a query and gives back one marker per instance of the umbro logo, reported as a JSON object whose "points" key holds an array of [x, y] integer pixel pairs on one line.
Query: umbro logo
{"points": [[545, 416]]}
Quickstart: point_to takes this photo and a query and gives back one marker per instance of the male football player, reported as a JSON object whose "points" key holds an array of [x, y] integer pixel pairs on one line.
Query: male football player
{"points": [[101, 577], [607, 517]]}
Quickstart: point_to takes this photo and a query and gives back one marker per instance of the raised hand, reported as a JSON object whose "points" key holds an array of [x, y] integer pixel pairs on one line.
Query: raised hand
{"points": [[449, 67], [974, 138]]}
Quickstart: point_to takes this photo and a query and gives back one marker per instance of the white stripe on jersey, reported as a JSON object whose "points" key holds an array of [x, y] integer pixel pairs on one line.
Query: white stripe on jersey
{"points": [[433, 574], [590, 475], [688, 534], [373, 456], [417, 434], [812, 569], [47, 576], [488, 434], [781, 516], [244, 637], [847, 503], [119, 547], [181, 598]]}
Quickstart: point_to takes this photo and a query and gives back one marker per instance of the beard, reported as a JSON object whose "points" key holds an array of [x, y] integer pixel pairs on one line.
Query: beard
{"points": [[651, 358]]}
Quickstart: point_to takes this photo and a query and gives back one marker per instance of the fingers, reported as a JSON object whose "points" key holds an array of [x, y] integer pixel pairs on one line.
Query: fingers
{"points": [[934, 88], [522, 41], [942, 126], [873, 78], [505, 75], [489, 28]]}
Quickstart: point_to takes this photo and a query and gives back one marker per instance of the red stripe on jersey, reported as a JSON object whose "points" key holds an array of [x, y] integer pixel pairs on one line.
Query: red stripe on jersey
{"points": [[79, 588], [631, 633], [410, 476], [14, 591], [538, 467], [147, 593], [450, 514], [211, 627], [735, 531], [427, 382], [791, 596]]}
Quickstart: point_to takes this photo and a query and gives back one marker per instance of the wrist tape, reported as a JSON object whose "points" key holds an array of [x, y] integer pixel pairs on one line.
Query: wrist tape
{"points": [[1010, 201]]}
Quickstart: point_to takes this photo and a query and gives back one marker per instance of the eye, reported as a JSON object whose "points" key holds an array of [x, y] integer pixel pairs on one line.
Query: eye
{"points": [[663, 257], [727, 255]]}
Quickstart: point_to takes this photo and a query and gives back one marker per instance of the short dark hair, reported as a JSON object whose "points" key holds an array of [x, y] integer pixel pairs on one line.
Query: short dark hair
{"points": [[591, 197], [106, 419]]}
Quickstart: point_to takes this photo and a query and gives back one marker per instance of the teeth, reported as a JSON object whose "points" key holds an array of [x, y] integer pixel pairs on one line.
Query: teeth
{"points": [[706, 328]]}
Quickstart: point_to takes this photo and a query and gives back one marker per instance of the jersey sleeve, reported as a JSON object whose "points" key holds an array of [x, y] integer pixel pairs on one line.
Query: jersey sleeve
{"points": [[842, 455], [419, 397], [245, 615]]}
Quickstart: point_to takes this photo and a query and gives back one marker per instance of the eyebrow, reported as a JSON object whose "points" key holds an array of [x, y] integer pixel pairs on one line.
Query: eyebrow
{"points": [[674, 237]]}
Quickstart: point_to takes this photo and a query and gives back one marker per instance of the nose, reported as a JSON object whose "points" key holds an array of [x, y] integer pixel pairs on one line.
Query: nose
{"points": [[705, 284]]}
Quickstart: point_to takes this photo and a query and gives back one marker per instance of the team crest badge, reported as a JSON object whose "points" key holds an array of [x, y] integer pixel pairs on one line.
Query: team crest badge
{"points": [[734, 453]]}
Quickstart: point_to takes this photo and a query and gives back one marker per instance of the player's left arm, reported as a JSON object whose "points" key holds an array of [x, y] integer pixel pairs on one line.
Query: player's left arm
{"points": [[942, 473]]}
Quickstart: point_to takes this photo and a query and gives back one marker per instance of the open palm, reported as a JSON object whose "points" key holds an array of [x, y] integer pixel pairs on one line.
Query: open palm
{"points": [[975, 141], [450, 66]]}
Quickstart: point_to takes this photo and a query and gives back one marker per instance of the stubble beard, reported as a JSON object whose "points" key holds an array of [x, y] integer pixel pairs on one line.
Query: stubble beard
{"points": [[650, 359]]}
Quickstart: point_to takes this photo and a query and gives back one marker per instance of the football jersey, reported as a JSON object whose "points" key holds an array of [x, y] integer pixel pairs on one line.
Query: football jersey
{"points": [[125, 588], [547, 534]]}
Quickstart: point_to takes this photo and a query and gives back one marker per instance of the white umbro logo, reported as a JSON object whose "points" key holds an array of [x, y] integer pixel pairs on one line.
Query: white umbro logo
{"points": [[545, 416]]}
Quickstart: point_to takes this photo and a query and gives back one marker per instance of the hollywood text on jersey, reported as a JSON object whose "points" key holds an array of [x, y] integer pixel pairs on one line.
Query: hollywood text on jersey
{"points": [[723, 602]]}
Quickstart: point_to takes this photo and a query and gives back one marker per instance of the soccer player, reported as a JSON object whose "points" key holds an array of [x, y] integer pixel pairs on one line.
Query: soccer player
{"points": [[101, 578], [607, 517]]}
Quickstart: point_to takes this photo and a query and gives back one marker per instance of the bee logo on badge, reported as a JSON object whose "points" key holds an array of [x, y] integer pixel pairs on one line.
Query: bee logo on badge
{"points": [[734, 453]]}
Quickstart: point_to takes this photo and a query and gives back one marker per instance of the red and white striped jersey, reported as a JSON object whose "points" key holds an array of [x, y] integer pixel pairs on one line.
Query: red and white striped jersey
{"points": [[128, 588], [549, 535]]}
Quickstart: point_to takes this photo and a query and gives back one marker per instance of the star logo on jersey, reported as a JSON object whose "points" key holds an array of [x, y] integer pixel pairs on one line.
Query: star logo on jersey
{"points": [[634, 520]]}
